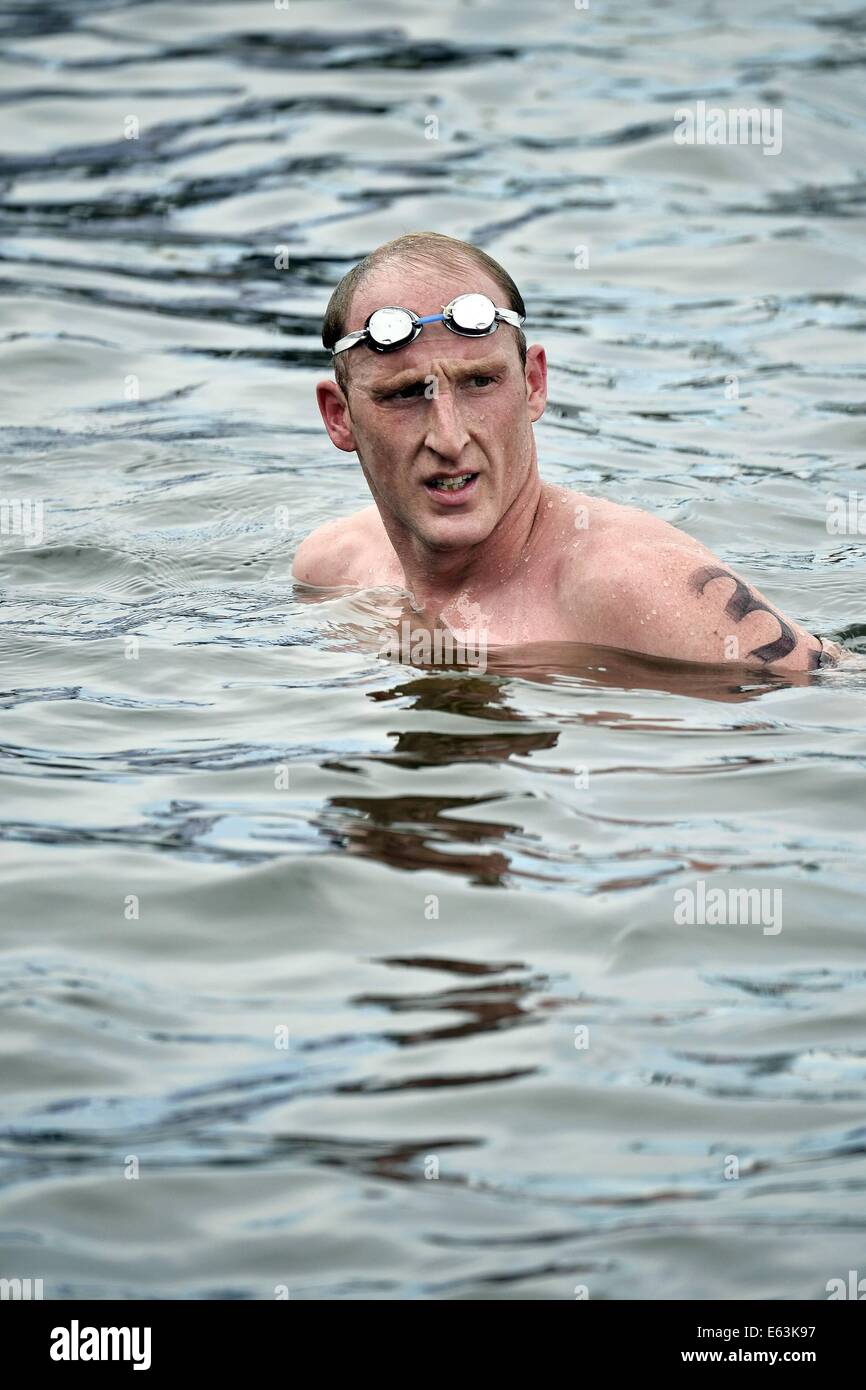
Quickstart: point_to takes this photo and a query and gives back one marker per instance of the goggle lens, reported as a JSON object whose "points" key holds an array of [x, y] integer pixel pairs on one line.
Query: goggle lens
{"points": [[473, 313], [390, 327]]}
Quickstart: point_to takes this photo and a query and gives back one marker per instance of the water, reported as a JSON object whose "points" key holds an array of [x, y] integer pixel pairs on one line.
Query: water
{"points": [[250, 823]]}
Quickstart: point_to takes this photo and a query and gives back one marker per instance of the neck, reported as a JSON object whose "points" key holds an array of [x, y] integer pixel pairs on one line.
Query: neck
{"points": [[433, 577]]}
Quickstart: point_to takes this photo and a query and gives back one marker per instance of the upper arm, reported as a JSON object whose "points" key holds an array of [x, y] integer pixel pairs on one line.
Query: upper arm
{"points": [[680, 601]]}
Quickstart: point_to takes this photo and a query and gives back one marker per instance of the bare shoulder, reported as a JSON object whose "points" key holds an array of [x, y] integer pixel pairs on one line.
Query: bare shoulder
{"points": [[598, 525], [338, 552], [607, 549], [652, 588]]}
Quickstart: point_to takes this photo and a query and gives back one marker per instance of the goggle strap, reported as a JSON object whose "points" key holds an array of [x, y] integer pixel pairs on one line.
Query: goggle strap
{"points": [[349, 341], [511, 316], [505, 315]]}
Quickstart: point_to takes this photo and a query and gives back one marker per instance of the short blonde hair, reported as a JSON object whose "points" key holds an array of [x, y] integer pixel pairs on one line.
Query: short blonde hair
{"points": [[421, 249]]}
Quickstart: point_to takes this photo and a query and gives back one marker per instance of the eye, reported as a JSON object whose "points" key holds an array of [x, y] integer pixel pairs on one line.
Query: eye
{"points": [[481, 381], [407, 393]]}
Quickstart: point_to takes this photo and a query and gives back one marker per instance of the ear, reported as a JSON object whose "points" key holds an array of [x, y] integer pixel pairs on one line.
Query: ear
{"points": [[334, 410], [536, 380]]}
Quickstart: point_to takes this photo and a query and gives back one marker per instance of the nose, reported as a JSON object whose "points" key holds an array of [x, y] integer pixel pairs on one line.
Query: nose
{"points": [[446, 432]]}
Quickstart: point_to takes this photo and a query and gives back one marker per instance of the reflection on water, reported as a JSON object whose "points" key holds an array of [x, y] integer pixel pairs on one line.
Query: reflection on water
{"points": [[373, 969]]}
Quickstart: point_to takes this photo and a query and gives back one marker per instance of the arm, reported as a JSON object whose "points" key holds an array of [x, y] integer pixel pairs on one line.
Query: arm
{"points": [[678, 600], [767, 636]]}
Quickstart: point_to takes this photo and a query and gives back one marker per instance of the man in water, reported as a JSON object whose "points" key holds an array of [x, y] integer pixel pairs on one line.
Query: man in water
{"points": [[437, 396]]}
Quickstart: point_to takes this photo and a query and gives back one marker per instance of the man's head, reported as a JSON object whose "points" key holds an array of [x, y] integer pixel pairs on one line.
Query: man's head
{"points": [[443, 405]]}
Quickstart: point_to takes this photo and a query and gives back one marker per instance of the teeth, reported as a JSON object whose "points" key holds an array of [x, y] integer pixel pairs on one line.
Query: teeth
{"points": [[451, 484]]}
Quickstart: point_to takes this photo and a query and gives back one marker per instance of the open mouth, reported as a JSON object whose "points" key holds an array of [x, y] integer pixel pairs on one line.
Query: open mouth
{"points": [[451, 484]]}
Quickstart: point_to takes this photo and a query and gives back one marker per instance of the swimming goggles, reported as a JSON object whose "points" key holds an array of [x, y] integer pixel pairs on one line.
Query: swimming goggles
{"points": [[471, 315]]}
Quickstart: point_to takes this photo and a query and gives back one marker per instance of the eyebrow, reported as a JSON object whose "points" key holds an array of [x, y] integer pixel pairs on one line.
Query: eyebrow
{"points": [[412, 376]]}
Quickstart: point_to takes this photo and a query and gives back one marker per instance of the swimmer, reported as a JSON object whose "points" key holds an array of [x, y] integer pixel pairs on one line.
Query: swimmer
{"points": [[437, 392]]}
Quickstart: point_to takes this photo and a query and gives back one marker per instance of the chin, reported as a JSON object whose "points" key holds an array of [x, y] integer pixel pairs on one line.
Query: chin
{"points": [[455, 532]]}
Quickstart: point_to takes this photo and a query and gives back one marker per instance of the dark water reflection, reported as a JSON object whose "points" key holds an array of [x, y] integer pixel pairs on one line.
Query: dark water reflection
{"points": [[229, 825]]}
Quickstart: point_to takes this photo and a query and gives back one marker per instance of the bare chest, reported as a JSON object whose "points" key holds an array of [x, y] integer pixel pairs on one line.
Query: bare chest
{"points": [[527, 609]]}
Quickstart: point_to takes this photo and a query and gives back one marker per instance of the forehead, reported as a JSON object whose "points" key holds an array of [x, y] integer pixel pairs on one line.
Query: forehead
{"points": [[425, 289]]}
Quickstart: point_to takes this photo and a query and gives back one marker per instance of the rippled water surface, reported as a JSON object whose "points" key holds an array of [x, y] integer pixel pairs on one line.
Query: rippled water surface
{"points": [[224, 815]]}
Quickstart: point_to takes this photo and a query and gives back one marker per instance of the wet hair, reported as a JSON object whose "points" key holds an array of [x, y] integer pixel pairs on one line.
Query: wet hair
{"points": [[421, 249]]}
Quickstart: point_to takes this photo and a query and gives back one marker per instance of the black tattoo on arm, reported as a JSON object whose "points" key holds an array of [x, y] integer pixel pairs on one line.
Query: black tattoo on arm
{"points": [[741, 603]]}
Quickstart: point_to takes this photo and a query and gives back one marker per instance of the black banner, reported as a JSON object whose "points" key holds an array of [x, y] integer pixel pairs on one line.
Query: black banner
{"points": [[156, 1337]]}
